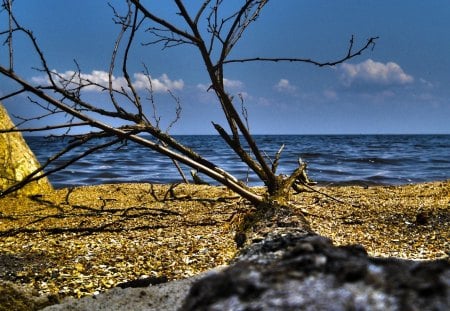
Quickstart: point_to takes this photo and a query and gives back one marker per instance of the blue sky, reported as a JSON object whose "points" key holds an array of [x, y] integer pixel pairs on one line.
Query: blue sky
{"points": [[401, 86]]}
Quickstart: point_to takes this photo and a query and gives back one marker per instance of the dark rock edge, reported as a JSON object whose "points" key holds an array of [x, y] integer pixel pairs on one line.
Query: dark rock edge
{"points": [[304, 271]]}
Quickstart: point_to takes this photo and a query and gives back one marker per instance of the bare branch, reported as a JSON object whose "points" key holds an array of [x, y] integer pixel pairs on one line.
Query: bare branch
{"points": [[8, 6], [276, 161], [200, 11], [177, 111], [36, 175], [351, 54], [295, 174], [167, 37], [125, 22], [242, 20], [238, 149], [164, 23], [12, 94], [44, 128], [136, 99], [244, 111]]}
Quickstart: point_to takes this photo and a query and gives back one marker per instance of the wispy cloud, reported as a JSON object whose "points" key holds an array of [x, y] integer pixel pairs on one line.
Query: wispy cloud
{"points": [[161, 84], [285, 86], [330, 94], [426, 83], [233, 84], [101, 78], [376, 73]]}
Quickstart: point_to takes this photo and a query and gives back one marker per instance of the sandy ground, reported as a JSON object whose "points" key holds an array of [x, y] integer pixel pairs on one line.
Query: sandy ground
{"points": [[81, 241]]}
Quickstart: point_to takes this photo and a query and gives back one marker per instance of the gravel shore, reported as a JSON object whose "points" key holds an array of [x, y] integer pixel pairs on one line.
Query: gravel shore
{"points": [[83, 241]]}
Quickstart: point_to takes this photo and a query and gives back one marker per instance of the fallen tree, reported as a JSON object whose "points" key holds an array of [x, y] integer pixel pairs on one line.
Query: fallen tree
{"points": [[276, 235], [62, 94]]}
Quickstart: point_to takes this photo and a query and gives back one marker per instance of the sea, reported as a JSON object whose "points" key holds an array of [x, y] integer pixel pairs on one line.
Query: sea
{"points": [[331, 159]]}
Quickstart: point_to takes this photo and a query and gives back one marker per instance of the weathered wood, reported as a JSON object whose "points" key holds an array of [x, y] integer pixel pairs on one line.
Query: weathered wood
{"points": [[17, 160]]}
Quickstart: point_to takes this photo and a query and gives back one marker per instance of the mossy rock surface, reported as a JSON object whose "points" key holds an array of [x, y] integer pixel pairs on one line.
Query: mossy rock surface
{"points": [[16, 298], [17, 160]]}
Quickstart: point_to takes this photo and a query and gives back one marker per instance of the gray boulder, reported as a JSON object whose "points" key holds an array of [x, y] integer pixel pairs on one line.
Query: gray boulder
{"points": [[306, 272]]}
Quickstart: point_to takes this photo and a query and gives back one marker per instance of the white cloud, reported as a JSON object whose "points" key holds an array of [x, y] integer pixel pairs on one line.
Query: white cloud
{"points": [[285, 86], [232, 84], [245, 95], [426, 83], [161, 84], [265, 102], [141, 81], [40, 80], [202, 87], [371, 72]]}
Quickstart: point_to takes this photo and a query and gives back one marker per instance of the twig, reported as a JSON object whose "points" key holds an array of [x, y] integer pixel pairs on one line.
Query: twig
{"points": [[328, 196]]}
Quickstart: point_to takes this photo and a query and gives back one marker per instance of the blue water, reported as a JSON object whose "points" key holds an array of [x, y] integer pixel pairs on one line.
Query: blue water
{"points": [[332, 159]]}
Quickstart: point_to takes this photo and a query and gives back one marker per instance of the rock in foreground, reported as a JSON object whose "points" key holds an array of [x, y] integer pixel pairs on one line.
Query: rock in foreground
{"points": [[306, 272], [162, 297]]}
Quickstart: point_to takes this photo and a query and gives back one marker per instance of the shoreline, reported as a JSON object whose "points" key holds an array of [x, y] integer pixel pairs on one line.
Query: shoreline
{"points": [[330, 159], [84, 240]]}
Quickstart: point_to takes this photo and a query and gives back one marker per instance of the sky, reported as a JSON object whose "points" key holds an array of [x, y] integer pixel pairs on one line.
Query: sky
{"points": [[401, 86]]}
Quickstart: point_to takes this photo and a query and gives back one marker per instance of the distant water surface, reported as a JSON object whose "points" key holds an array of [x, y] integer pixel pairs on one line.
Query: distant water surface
{"points": [[332, 159]]}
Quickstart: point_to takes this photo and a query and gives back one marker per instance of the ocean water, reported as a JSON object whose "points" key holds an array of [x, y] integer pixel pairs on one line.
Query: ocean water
{"points": [[331, 159]]}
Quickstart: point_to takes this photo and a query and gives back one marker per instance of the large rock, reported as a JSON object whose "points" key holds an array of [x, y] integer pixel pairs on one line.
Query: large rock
{"points": [[17, 160], [306, 272]]}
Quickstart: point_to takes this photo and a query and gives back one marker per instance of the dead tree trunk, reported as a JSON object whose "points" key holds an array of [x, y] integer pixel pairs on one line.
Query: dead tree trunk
{"points": [[213, 30]]}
